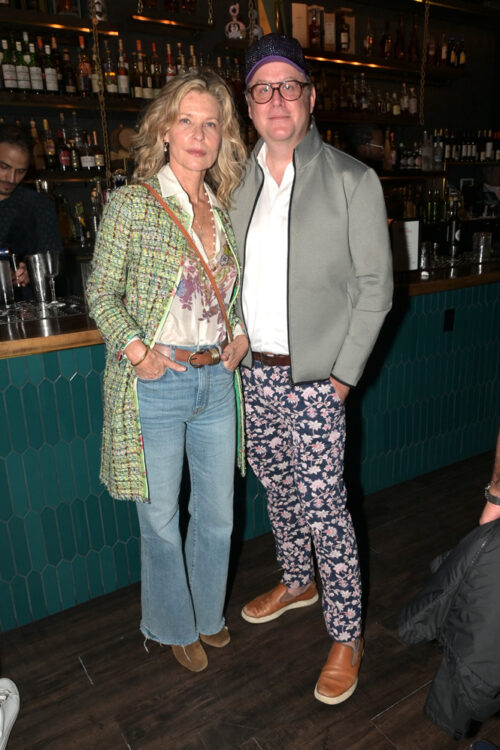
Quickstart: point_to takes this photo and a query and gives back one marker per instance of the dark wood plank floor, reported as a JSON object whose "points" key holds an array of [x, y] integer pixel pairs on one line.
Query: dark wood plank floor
{"points": [[87, 683]]}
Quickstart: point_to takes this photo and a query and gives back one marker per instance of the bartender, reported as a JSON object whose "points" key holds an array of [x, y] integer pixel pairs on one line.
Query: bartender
{"points": [[28, 220]]}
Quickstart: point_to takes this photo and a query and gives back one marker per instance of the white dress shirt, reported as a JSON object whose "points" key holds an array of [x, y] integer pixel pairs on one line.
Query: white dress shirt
{"points": [[264, 297]]}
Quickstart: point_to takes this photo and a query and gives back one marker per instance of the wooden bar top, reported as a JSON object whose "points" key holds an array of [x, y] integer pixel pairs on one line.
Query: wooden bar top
{"points": [[22, 337]]}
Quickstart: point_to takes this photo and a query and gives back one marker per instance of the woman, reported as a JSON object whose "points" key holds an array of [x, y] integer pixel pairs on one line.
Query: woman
{"points": [[170, 371]]}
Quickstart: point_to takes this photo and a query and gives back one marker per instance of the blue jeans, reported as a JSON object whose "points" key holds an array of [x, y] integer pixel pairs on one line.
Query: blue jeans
{"points": [[183, 589]]}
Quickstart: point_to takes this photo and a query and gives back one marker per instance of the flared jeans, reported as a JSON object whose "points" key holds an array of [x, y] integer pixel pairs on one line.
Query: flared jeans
{"points": [[183, 586]]}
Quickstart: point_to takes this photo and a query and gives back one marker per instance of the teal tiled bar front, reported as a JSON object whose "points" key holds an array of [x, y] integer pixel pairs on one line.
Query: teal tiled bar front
{"points": [[429, 397]]}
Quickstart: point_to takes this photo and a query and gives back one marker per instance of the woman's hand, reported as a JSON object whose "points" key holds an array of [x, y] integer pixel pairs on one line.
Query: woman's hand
{"points": [[234, 352], [154, 363]]}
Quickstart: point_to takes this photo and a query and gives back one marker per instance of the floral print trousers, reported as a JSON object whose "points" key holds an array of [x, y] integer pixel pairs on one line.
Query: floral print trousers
{"points": [[295, 444]]}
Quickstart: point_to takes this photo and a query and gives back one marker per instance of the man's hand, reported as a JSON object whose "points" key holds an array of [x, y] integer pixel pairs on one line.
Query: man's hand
{"points": [[490, 513], [234, 352], [21, 276], [341, 389]]}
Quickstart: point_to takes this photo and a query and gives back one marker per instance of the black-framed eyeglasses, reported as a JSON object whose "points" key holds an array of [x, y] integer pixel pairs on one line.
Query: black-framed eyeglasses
{"points": [[262, 93]]}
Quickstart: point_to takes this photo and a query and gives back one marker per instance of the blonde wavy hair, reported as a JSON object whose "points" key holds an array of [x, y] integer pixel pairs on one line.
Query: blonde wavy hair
{"points": [[226, 174]]}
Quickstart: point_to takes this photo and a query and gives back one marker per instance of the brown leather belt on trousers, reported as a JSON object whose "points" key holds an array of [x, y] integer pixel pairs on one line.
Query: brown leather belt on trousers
{"points": [[200, 358], [272, 360]]}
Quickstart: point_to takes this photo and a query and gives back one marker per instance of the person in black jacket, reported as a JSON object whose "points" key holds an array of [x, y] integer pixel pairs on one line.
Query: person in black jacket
{"points": [[460, 607], [491, 510]]}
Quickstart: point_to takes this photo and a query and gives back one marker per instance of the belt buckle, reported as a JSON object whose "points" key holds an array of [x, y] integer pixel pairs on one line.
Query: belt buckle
{"points": [[214, 355], [193, 354]]}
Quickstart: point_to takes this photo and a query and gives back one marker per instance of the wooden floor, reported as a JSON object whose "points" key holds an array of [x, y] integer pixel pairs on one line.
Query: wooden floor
{"points": [[87, 683]]}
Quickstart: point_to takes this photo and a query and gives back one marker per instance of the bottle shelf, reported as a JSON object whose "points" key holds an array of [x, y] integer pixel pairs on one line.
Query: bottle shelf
{"points": [[402, 70], [472, 164], [54, 178], [341, 116], [60, 22], [56, 101], [410, 175], [176, 23]]}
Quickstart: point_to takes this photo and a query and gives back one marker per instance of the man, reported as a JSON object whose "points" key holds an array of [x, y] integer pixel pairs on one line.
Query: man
{"points": [[312, 233], [28, 220]]}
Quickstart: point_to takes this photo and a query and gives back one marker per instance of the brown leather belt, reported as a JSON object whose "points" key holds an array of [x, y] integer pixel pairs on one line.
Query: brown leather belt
{"points": [[272, 360], [200, 358]]}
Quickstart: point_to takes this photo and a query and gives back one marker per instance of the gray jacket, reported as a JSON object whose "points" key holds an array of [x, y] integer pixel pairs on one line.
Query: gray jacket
{"points": [[339, 259]]}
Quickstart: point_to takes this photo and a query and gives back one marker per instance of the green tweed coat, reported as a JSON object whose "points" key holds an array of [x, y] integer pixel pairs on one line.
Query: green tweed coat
{"points": [[138, 262]]}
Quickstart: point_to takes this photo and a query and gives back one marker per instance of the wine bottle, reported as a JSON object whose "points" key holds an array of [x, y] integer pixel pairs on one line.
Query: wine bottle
{"points": [[35, 71], [68, 74], [49, 72], [122, 75], [49, 147], [84, 70]]}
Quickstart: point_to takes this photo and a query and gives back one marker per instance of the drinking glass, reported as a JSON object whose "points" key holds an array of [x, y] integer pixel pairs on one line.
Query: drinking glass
{"points": [[6, 288], [53, 265]]}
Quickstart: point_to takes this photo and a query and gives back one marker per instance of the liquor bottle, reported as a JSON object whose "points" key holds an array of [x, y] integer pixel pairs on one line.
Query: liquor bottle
{"points": [[22, 70], [412, 102], [443, 51], [437, 150], [448, 145], [94, 79], [87, 158], [62, 153], [109, 72], [156, 71], [404, 100], [452, 52], [180, 64], [385, 44], [8, 67], [49, 146], [496, 146], [426, 152], [399, 45], [57, 63], [481, 145], [413, 46], [343, 35], [136, 83], [453, 232], [122, 75], [49, 72], [368, 40], [83, 70], [431, 51], [147, 89], [396, 106], [489, 147], [170, 69], [68, 74], [462, 55], [193, 66], [315, 30], [99, 160], [35, 70], [74, 155], [38, 152], [363, 94]]}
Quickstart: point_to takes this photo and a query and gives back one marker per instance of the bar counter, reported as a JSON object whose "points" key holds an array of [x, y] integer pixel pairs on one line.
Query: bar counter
{"points": [[430, 396]]}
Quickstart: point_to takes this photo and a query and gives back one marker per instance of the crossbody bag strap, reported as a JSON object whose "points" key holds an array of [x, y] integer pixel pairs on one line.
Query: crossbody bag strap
{"points": [[200, 256]]}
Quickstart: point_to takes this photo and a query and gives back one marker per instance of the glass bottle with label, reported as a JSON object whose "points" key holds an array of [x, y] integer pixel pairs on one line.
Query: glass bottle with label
{"points": [[22, 70], [49, 72], [412, 102], [87, 158], [99, 160], [84, 70], [122, 76], [368, 40], [49, 147], [62, 152], [35, 70], [343, 35], [57, 63], [171, 70], [38, 151], [385, 44], [68, 74], [109, 72], [8, 67], [156, 72]]}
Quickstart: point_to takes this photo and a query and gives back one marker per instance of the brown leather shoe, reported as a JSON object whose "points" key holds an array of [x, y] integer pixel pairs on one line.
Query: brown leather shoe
{"points": [[339, 677], [274, 603], [218, 640], [192, 656]]}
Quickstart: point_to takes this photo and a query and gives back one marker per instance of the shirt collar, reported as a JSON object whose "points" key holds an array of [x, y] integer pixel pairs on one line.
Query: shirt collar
{"points": [[171, 188]]}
